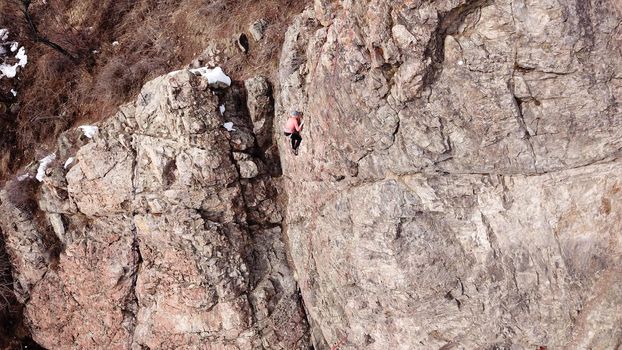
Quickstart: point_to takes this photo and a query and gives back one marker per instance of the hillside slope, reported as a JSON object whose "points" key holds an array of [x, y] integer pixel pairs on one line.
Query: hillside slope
{"points": [[114, 47]]}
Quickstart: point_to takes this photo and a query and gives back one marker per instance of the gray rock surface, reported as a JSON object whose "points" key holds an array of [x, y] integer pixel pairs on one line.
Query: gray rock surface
{"points": [[166, 238], [261, 109], [458, 185], [257, 29]]}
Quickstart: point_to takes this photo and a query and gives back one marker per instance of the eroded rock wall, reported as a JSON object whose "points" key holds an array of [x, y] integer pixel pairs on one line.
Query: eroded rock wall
{"points": [[458, 185], [166, 229]]}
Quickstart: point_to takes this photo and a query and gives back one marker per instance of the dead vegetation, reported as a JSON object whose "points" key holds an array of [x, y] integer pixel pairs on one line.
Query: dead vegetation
{"points": [[113, 47], [13, 332], [23, 195], [7, 298]]}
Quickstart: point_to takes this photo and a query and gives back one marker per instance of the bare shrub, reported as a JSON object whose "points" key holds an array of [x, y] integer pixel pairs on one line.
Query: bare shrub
{"points": [[7, 297], [5, 162], [23, 195], [114, 79], [9, 307]]}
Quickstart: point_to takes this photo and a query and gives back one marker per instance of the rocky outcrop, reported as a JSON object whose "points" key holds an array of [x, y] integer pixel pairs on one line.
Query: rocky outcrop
{"points": [[163, 238], [458, 185]]}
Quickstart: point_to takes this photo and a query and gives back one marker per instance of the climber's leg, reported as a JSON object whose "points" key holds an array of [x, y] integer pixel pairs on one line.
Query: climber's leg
{"points": [[296, 140]]}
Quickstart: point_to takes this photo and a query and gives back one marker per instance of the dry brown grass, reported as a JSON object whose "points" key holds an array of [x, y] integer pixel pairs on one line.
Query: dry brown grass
{"points": [[155, 36], [7, 297], [12, 331]]}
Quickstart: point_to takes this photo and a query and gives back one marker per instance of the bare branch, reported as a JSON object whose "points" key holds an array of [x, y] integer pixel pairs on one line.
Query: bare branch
{"points": [[38, 37]]}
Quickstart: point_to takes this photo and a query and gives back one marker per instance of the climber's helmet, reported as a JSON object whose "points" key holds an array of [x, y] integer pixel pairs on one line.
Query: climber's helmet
{"points": [[296, 114]]}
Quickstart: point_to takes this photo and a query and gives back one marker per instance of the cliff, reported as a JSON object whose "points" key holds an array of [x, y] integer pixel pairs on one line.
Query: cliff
{"points": [[458, 187], [459, 183]]}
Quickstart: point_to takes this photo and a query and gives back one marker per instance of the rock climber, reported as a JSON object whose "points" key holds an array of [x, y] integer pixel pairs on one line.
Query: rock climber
{"points": [[292, 129]]}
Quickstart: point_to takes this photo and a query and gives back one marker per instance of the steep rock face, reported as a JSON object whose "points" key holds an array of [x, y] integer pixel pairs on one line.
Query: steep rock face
{"points": [[161, 239], [458, 185]]}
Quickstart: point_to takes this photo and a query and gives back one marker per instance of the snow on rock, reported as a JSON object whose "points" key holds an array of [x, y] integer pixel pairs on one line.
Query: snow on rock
{"points": [[9, 71], [6, 69], [115, 43], [213, 76], [89, 130], [68, 162], [228, 126], [23, 177], [222, 109], [43, 164], [22, 57], [14, 92]]}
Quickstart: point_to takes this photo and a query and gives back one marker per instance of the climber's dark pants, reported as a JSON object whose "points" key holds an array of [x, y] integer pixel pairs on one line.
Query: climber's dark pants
{"points": [[296, 139]]}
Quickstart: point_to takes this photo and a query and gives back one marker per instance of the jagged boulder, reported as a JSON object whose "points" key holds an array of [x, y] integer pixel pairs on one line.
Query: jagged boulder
{"points": [[458, 183]]}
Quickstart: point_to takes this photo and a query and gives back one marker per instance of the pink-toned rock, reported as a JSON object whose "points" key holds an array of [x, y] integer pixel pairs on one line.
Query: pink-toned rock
{"points": [[157, 247], [458, 182]]}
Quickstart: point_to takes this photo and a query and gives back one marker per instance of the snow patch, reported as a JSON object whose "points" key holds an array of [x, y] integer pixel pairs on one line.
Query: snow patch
{"points": [[23, 177], [228, 126], [10, 70], [68, 162], [222, 109], [43, 165], [115, 43], [89, 130], [22, 57], [14, 92], [213, 75]]}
